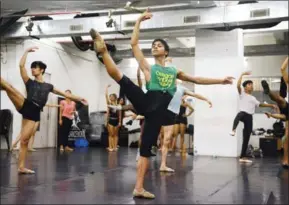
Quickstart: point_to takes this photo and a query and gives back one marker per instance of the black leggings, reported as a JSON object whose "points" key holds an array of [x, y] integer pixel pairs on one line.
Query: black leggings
{"points": [[247, 119], [64, 131], [283, 88]]}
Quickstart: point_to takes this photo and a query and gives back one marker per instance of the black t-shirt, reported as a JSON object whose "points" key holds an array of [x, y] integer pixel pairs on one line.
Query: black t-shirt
{"points": [[38, 92]]}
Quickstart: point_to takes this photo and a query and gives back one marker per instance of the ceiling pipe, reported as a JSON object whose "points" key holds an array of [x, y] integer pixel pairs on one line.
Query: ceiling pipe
{"points": [[42, 14]]}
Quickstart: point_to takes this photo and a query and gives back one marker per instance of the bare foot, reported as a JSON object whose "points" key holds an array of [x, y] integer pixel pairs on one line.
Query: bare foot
{"points": [[68, 149], [25, 171], [245, 160], [32, 150], [166, 169], [233, 133]]}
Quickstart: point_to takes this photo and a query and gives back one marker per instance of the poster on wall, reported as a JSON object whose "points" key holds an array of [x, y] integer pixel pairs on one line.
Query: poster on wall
{"points": [[79, 125]]}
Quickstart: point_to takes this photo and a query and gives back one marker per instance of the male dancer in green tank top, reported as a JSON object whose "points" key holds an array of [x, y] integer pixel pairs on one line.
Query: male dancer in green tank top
{"points": [[153, 104]]}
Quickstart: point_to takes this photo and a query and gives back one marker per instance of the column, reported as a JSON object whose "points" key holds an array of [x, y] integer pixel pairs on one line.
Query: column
{"points": [[218, 54]]}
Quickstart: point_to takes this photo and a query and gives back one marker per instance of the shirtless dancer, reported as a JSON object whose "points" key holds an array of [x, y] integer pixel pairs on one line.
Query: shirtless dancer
{"points": [[153, 105], [31, 106]]}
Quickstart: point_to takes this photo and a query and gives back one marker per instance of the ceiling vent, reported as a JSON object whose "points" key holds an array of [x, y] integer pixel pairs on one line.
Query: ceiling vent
{"points": [[192, 19], [129, 23], [260, 13]]}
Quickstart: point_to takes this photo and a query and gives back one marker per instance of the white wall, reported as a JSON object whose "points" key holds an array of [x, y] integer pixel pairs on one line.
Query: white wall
{"points": [[69, 68]]}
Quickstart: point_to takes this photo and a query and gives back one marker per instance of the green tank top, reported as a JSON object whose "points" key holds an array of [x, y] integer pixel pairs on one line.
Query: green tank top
{"points": [[162, 79]]}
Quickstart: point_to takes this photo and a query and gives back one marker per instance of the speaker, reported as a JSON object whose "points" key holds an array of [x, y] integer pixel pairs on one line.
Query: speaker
{"points": [[269, 147]]}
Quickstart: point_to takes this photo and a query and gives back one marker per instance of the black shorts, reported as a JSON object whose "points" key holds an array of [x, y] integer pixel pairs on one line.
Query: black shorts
{"points": [[113, 122], [285, 111], [30, 111], [181, 120], [153, 106]]}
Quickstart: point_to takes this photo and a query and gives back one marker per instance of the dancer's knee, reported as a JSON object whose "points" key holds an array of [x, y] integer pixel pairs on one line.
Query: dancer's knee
{"points": [[24, 141]]}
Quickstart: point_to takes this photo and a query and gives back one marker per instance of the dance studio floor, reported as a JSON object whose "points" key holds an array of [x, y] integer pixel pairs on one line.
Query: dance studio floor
{"points": [[93, 176]]}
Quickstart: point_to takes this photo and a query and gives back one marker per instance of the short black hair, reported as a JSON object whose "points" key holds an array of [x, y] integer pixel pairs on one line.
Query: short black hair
{"points": [[165, 44], [39, 64], [245, 83]]}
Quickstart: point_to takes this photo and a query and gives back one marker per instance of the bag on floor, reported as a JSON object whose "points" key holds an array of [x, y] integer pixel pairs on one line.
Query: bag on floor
{"points": [[254, 152], [81, 142], [134, 144]]}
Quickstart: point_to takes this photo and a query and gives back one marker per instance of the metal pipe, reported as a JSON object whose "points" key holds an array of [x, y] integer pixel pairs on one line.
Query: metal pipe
{"points": [[42, 14]]}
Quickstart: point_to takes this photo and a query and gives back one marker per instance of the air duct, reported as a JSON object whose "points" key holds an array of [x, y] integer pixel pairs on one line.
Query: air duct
{"points": [[77, 40], [112, 51], [6, 23]]}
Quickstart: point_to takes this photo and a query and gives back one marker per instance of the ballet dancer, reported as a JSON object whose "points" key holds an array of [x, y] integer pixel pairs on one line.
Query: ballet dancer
{"points": [[113, 120], [31, 106], [153, 105], [66, 116], [247, 105], [282, 105]]}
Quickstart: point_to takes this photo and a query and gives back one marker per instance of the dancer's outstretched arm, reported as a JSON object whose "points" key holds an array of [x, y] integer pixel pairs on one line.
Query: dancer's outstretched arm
{"points": [[139, 78], [138, 54], [51, 105], [202, 80], [268, 105], [240, 81], [200, 97], [284, 72], [106, 95], [70, 96], [190, 108], [22, 63], [276, 116]]}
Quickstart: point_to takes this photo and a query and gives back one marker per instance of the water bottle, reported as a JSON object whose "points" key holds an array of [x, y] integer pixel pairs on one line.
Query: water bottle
{"points": [[195, 151]]}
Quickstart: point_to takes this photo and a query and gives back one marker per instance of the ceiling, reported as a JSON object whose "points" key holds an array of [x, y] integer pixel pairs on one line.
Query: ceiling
{"points": [[10, 6]]}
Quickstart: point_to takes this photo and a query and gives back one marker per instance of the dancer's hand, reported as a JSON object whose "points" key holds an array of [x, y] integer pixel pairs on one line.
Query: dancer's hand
{"points": [[146, 15], [84, 102], [247, 73], [275, 107], [228, 80], [60, 122], [210, 103], [268, 114], [134, 116], [32, 49]]}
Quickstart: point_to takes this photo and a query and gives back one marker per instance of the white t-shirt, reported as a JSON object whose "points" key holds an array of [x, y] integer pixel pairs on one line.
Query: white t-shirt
{"points": [[176, 101], [248, 103]]}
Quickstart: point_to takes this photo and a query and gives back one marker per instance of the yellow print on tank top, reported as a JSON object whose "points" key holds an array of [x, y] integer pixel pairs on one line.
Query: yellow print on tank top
{"points": [[165, 80]]}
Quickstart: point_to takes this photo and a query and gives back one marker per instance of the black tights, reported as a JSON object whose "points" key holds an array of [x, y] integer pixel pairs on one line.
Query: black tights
{"points": [[64, 131], [247, 119]]}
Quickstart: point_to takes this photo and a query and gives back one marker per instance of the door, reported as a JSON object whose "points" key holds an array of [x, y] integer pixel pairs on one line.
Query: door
{"points": [[41, 136]]}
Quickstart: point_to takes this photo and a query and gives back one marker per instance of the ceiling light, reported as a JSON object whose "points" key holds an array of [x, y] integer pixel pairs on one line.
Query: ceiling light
{"points": [[198, 2]]}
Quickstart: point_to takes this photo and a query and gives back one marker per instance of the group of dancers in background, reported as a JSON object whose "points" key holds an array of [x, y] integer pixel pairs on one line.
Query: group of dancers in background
{"points": [[160, 104]]}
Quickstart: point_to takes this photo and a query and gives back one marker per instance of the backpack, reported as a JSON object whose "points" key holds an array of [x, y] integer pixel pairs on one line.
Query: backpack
{"points": [[278, 129]]}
